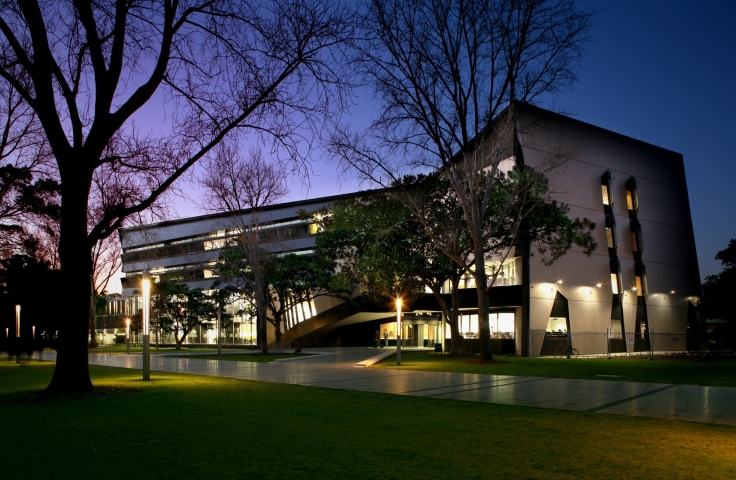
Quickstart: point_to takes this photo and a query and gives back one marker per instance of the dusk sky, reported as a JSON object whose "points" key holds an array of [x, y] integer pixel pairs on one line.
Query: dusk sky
{"points": [[663, 72]]}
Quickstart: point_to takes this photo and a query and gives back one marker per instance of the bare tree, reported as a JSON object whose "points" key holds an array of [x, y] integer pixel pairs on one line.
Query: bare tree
{"points": [[242, 188], [85, 68], [29, 204], [450, 76]]}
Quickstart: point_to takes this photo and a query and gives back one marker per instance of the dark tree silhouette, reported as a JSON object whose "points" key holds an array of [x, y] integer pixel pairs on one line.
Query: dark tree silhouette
{"points": [[225, 67]]}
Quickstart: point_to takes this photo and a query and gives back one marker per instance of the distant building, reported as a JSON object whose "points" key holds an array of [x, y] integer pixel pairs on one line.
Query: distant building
{"points": [[643, 278]]}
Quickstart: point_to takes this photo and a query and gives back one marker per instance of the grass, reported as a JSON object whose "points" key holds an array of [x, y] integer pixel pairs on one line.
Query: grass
{"points": [[253, 357], [631, 369], [186, 426]]}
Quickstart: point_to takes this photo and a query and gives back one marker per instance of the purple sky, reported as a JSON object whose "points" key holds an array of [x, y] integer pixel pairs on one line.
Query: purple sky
{"points": [[659, 71]]}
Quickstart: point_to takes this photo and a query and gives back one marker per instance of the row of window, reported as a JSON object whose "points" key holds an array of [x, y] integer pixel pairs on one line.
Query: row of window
{"points": [[268, 234], [632, 205]]}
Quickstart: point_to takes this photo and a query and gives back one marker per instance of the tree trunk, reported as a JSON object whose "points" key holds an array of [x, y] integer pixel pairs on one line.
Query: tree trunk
{"points": [[262, 332], [456, 348], [92, 315], [484, 327], [277, 325], [72, 371]]}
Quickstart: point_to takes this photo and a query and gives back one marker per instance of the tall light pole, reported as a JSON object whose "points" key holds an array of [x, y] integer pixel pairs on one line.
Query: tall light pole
{"points": [[398, 331], [146, 288], [17, 331], [219, 327], [127, 336]]}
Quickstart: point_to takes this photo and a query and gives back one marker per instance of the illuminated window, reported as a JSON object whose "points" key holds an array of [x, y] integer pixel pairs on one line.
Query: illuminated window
{"points": [[606, 189], [632, 197], [614, 283], [557, 325], [609, 238], [639, 286], [313, 228]]}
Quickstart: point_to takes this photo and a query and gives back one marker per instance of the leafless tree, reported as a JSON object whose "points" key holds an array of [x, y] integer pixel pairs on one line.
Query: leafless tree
{"points": [[450, 76], [269, 70], [242, 188], [28, 187]]}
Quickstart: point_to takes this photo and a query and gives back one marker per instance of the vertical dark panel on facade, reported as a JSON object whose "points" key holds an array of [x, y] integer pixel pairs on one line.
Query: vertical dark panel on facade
{"points": [[693, 328], [618, 342], [554, 341], [642, 341]]}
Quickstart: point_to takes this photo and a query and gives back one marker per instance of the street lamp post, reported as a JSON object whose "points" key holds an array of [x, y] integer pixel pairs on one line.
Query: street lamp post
{"points": [[398, 331], [146, 287], [219, 328], [127, 336], [17, 331]]}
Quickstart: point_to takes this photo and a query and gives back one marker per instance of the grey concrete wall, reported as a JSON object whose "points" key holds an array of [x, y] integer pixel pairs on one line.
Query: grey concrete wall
{"points": [[664, 213]]}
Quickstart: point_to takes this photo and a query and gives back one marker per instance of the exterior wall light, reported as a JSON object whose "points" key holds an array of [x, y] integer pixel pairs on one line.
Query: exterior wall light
{"points": [[598, 285], [672, 292], [559, 282]]}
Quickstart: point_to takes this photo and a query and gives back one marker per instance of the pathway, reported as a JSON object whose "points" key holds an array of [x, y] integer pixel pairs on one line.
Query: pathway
{"points": [[336, 370]]}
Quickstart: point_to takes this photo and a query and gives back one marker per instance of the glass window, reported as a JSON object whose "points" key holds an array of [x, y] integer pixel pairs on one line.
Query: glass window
{"points": [[604, 189], [506, 324], [556, 324], [633, 242], [629, 200], [474, 324], [614, 283], [609, 238]]}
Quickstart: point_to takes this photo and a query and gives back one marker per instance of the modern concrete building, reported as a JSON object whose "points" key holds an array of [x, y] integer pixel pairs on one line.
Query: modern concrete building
{"points": [[642, 279]]}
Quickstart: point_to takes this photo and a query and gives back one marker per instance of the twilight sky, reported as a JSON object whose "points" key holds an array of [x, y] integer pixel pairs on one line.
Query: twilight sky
{"points": [[660, 71]]}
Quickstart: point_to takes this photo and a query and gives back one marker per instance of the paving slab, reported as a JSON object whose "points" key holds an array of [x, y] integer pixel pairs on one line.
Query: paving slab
{"points": [[336, 370]]}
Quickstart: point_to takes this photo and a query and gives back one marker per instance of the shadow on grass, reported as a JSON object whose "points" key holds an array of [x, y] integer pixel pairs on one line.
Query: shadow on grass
{"points": [[41, 396]]}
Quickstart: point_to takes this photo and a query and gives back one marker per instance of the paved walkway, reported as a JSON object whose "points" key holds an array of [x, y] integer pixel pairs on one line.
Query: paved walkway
{"points": [[336, 370]]}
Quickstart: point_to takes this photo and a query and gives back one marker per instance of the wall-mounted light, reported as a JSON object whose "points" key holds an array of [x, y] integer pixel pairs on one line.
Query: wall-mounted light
{"points": [[559, 282], [598, 285], [672, 292], [633, 289]]}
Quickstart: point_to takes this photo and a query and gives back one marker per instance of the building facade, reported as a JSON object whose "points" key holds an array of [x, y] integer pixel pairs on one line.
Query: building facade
{"points": [[635, 293]]}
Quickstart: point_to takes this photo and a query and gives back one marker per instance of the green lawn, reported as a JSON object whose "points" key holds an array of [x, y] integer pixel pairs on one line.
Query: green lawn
{"points": [[186, 426], [253, 357], [631, 369]]}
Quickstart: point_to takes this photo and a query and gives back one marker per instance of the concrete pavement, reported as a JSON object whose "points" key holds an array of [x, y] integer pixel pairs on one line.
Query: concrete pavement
{"points": [[335, 369]]}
